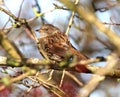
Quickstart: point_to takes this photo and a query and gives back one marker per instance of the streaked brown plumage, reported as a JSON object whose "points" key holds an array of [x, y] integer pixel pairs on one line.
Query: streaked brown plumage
{"points": [[56, 44]]}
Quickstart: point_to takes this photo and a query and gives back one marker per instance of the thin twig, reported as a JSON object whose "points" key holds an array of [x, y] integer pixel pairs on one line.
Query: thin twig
{"points": [[91, 18], [100, 76], [55, 89], [22, 21], [62, 78], [74, 78], [39, 10], [8, 13], [34, 81], [50, 75], [20, 9], [10, 81], [71, 19]]}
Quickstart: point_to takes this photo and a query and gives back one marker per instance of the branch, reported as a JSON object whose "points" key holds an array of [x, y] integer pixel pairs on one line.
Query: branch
{"points": [[30, 62], [8, 80], [9, 47], [100, 76], [91, 18], [23, 22], [71, 19], [40, 64]]}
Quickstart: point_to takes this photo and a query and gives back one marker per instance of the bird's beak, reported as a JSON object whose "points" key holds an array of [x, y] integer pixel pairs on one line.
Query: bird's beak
{"points": [[37, 30]]}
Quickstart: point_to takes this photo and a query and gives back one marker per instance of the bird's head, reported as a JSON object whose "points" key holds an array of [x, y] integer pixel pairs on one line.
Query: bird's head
{"points": [[48, 29]]}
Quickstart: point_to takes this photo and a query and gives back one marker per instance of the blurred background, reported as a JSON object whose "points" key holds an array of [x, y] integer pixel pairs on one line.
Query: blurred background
{"points": [[84, 37]]}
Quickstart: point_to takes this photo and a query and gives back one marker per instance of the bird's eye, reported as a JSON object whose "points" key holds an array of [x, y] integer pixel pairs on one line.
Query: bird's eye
{"points": [[46, 29]]}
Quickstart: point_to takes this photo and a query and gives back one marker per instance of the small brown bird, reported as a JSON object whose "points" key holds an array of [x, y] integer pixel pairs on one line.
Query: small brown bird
{"points": [[56, 44]]}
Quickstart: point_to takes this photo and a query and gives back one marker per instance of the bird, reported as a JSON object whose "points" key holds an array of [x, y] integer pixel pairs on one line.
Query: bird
{"points": [[56, 45]]}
